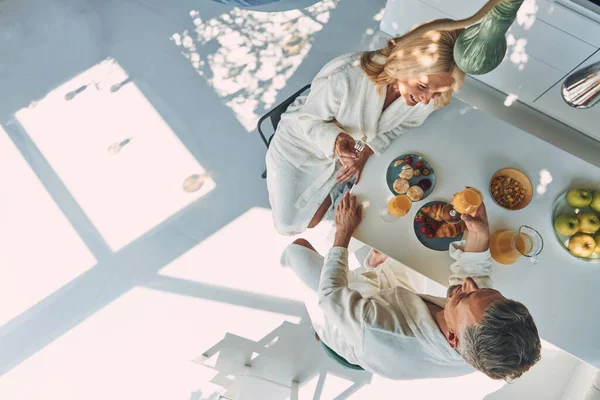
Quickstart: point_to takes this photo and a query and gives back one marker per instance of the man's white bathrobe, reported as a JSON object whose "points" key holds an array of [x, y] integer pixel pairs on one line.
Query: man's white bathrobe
{"points": [[377, 319], [301, 163]]}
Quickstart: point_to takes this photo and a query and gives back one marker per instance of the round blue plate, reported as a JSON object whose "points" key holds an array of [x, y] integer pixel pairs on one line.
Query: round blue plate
{"points": [[439, 244], [393, 173]]}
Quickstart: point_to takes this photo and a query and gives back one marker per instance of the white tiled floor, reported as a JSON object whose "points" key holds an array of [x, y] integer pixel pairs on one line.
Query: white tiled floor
{"points": [[113, 280]]}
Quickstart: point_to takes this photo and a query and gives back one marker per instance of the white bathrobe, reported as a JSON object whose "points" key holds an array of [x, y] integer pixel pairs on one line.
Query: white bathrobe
{"points": [[376, 319], [301, 164]]}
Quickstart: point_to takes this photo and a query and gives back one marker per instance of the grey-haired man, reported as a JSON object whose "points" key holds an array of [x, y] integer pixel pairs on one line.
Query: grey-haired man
{"points": [[375, 319]]}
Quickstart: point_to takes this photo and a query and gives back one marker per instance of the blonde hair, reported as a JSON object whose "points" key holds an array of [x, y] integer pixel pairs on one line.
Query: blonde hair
{"points": [[425, 50], [430, 53]]}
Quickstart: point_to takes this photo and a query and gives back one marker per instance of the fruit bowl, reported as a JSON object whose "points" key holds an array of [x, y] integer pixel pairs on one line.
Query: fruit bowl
{"points": [[561, 207], [516, 176]]}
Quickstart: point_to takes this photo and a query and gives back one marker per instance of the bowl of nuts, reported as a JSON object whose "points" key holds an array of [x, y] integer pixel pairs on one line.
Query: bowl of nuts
{"points": [[511, 189]]}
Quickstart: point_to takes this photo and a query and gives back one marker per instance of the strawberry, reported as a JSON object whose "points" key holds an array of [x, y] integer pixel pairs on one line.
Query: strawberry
{"points": [[419, 164], [408, 160], [420, 219], [424, 230], [430, 235]]}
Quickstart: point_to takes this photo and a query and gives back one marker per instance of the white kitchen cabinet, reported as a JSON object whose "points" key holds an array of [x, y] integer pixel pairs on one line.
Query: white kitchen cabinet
{"points": [[549, 45], [524, 81], [563, 18], [584, 120]]}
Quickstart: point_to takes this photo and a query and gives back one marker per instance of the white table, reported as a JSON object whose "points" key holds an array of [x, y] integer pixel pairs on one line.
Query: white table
{"points": [[466, 146]]}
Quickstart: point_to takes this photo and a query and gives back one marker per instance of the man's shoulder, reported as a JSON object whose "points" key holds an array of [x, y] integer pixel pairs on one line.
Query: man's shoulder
{"points": [[397, 311], [400, 330]]}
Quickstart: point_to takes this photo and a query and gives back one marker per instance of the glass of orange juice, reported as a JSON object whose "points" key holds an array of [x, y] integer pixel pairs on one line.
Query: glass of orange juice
{"points": [[464, 202], [397, 207]]}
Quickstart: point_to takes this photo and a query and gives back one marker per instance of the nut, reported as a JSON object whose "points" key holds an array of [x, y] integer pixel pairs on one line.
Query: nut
{"points": [[508, 192]]}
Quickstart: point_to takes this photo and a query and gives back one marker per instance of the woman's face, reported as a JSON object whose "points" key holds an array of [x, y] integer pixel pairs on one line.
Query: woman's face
{"points": [[425, 88]]}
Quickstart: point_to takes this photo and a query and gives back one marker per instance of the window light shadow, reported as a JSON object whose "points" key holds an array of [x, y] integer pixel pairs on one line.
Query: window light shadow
{"points": [[151, 333], [516, 52], [115, 154], [510, 99], [527, 14], [35, 235], [54, 317], [545, 179], [248, 56], [243, 255], [227, 295]]}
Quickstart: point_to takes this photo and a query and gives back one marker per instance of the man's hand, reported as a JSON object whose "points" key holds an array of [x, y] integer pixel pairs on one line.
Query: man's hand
{"points": [[478, 221], [356, 167], [347, 218], [478, 239]]}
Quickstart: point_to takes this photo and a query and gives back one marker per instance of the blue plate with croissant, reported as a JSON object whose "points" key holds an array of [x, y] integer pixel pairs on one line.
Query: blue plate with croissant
{"points": [[431, 229]]}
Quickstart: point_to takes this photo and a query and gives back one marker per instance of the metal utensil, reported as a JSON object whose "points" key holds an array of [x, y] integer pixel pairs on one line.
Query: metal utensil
{"points": [[582, 88]]}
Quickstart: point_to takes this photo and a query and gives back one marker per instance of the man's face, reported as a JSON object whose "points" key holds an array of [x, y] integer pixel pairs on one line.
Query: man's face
{"points": [[465, 306]]}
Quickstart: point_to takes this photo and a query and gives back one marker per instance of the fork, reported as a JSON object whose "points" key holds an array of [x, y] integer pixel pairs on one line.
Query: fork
{"points": [[360, 145]]}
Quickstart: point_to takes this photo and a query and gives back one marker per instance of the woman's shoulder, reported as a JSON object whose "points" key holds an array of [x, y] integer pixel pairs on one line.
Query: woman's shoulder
{"points": [[344, 65]]}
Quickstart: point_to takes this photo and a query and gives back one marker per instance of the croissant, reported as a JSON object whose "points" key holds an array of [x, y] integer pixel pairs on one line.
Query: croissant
{"points": [[434, 211], [450, 230]]}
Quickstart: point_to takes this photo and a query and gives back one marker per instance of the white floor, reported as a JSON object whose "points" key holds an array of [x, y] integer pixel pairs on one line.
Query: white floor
{"points": [[114, 281]]}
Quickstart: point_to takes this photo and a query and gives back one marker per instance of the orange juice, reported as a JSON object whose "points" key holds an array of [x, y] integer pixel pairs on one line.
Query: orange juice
{"points": [[399, 205], [507, 246], [467, 201]]}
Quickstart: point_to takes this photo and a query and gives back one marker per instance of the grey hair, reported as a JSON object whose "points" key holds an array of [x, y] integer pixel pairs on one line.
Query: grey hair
{"points": [[505, 344]]}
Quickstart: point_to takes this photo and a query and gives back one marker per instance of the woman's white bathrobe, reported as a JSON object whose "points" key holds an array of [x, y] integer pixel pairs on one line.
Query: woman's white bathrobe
{"points": [[301, 163], [377, 318]]}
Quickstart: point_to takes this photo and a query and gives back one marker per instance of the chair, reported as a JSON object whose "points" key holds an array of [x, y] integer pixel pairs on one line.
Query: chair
{"points": [[275, 116], [339, 359]]}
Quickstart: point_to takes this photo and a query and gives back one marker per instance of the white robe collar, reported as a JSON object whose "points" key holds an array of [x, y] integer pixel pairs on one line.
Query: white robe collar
{"points": [[374, 121]]}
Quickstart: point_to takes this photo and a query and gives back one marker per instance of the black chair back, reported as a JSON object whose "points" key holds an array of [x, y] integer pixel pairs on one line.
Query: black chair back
{"points": [[275, 115]]}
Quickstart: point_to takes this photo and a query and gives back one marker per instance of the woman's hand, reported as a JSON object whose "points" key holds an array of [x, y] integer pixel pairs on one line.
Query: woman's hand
{"points": [[344, 149], [356, 167], [347, 218]]}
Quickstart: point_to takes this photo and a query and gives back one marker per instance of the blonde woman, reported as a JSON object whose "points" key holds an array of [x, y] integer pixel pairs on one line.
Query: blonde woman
{"points": [[378, 94]]}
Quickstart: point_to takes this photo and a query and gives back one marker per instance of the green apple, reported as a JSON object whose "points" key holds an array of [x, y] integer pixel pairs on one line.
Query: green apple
{"points": [[579, 198], [597, 251], [596, 201], [566, 225], [582, 245], [588, 222]]}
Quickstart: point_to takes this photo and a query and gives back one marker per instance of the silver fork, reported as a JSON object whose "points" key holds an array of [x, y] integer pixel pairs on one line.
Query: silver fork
{"points": [[360, 145]]}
